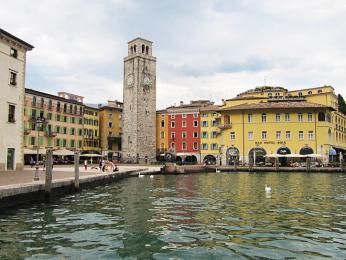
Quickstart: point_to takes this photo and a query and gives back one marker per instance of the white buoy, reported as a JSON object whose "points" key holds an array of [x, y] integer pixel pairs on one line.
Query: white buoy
{"points": [[217, 170], [267, 189], [140, 175], [151, 176]]}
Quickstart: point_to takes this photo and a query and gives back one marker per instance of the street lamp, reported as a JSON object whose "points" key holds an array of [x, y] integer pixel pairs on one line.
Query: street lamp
{"points": [[38, 122]]}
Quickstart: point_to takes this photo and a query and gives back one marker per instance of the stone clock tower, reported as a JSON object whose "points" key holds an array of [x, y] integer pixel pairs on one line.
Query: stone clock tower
{"points": [[139, 112]]}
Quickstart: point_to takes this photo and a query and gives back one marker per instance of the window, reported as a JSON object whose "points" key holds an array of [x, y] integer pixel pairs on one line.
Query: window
{"points": [[249, 118], [64, 142], [311, 135], [214, 146], [300, 117], [32, 140], [162, 123], [204, 123], [110, 124], [110, 115], [278, 135], [72, 143], [213, 134], [288, 135], [42, 102], [214, 123], [58, 107], [319, 91], [195, 146], [80, 121], [58, 129], [172, 116], [73, 120], [195, 134], [183, 146], [277, 117], [195, 123], [172, 124], [72, 131], [65, 118], [58, 118], [232, 135], [183, 116], [204, 146], [79, 143], [300, 94], [172, 135], [65, 130], [49, 116], [80, 132], [183, 135], [301, 135], [183, 123], [204, 134], [250, 136], [65, 108], [195, 115], [14, 53], [204, 115], [287, 117], [13, 78], [264, 117], [11, 113], [264, 135], [309, 92], [172, 144], [162, 135], [310, 117]]}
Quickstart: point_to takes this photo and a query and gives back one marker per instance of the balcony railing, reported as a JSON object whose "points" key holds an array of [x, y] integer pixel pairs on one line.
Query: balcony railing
{"points": [[225, 126], [50, 133]]}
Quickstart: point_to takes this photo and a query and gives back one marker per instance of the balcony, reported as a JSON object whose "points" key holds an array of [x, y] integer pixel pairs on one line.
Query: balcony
{"points": [[225, 126], [50, 134]]}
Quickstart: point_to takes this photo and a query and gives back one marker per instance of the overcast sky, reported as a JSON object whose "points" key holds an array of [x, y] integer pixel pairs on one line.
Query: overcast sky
{"points": [[205, 49]]}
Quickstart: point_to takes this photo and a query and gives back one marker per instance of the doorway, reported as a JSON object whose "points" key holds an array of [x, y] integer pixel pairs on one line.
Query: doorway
{"points": [[10, 158]]}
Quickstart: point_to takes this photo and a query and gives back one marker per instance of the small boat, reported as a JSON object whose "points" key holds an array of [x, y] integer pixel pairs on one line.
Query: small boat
{"points": [[267, 188]]}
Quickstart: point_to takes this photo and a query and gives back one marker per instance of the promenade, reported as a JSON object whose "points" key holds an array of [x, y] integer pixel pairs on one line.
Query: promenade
{"points": [[20, 188]]}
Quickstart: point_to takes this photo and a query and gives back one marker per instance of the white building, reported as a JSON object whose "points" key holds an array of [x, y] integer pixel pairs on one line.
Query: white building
{"points": [[12, 84]]}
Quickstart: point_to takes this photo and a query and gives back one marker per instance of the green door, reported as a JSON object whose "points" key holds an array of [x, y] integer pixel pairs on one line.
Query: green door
{"points": [[10, 159]]}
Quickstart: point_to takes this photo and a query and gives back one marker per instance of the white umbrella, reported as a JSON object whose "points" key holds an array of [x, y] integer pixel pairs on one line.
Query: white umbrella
{"points": [[91, 155], [34, 151], [274, 155]]}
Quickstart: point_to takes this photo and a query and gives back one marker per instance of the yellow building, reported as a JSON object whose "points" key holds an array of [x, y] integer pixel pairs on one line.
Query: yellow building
{"points": [[210, 134], [161, 131], [91, 137], [111, 129], [276, 121], [63, 122]]}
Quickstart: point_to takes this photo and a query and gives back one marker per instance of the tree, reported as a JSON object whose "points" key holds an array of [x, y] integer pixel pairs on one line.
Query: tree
{"points": [[342, 104]]}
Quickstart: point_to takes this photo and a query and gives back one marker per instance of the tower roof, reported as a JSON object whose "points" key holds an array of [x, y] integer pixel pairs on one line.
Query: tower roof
{"points": [[141, 39]]}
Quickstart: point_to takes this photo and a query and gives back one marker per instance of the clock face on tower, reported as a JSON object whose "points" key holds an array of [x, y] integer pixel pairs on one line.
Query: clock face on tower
{"points": [[147, 80], [129, 80]]}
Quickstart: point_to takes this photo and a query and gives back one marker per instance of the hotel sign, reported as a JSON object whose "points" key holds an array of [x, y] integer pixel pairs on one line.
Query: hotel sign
{"points": [[270, 142]]}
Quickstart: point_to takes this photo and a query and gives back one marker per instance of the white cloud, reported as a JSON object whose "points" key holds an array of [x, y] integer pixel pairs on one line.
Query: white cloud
{"points": [[205, 49]]}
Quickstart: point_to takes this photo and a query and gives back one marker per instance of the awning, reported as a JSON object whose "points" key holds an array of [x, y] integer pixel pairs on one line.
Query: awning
{"points": [[34, 151], [63, 152], [294, 155], [274, 155], [314, 155]]}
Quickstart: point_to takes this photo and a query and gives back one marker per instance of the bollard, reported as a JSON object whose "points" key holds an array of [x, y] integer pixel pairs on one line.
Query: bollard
{"points": [[49, 163], [277, 164], [308, 164], [76, 170], [342, 165]]}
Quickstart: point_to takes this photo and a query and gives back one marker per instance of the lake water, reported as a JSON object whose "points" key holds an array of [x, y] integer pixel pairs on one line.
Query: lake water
{"points": [[199, 216]]}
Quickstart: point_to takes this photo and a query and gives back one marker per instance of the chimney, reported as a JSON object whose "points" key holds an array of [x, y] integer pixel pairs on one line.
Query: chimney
{"points": [[181, 103]]}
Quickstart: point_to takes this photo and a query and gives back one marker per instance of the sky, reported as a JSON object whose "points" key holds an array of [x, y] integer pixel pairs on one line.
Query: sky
{"points": [[205, 49]]}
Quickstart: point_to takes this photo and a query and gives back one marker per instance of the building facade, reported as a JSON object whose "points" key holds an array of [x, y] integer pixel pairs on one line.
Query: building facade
{"points": [[139, 96], [111, 129], [162, 132], [184, 130], [91, 132], [276, 121], [62, 118], [12, 82]]}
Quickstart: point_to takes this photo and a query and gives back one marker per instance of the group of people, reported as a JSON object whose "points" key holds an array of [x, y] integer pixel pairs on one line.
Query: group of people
{"points": [[103, 165]]}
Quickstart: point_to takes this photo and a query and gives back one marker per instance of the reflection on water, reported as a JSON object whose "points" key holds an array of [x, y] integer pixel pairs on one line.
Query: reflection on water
{"points": [[201, 216]]}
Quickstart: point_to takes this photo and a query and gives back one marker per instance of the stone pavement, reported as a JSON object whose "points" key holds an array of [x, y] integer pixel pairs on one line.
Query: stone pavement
{"points": [[60, 172]]}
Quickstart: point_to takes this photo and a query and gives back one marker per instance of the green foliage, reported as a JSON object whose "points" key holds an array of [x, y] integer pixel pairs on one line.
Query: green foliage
{"points": [[342, 104]]}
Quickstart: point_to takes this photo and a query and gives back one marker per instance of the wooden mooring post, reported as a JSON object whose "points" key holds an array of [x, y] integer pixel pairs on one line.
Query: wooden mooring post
{"points": [[76, 170], [49, 168]]}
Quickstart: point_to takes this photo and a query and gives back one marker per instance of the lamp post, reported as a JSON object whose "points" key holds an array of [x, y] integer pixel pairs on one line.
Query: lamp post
{"points": [[38, 122]]}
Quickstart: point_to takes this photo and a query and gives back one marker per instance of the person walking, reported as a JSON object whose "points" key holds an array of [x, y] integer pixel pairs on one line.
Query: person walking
{"points": [[100, 164], [85, 164], [32, 162]]}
